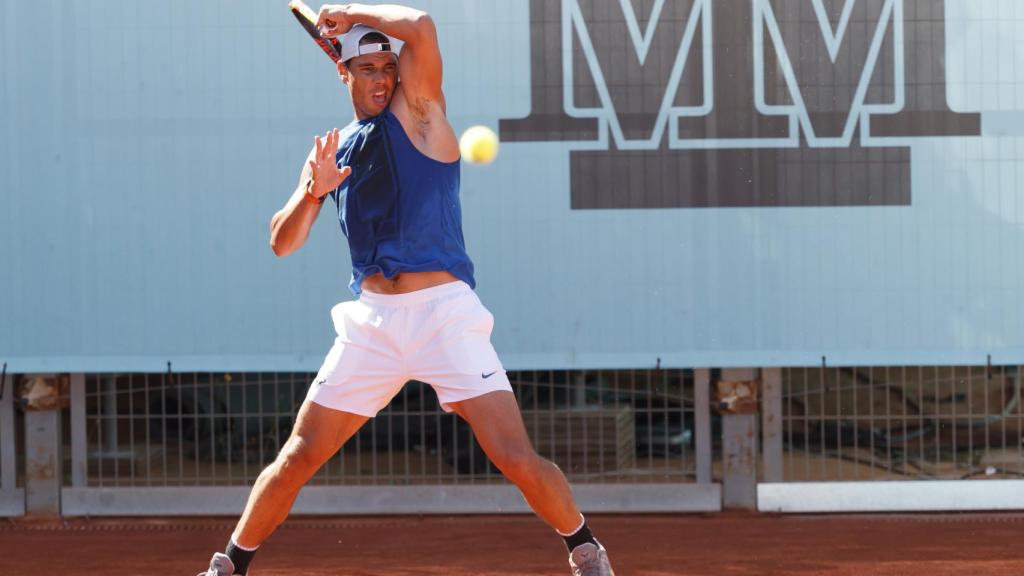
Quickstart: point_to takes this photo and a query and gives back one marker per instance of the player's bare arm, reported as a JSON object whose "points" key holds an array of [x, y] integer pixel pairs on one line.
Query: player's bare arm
{"points": [[418, 101], [289, 228]]}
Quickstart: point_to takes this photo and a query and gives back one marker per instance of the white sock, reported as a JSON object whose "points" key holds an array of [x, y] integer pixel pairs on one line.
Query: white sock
{"points": [[240, 547], [575, 530]]}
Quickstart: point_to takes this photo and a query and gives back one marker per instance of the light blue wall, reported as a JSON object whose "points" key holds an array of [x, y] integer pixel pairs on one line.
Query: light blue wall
{"points": [[146, 145]]}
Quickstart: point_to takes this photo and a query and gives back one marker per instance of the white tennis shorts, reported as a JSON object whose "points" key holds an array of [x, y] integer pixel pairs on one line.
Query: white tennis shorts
{"points": [[440, 336]]}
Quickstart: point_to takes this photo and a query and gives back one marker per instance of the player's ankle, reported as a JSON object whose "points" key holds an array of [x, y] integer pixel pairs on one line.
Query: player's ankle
{"points": [[581, 535], [240, 556]]}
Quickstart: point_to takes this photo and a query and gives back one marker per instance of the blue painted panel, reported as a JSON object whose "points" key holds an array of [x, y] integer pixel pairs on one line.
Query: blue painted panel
{"points": [[145, 150]]}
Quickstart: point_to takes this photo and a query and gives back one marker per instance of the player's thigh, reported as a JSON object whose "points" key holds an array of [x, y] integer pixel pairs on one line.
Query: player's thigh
{"points": [[319, 432], [497, 425]]}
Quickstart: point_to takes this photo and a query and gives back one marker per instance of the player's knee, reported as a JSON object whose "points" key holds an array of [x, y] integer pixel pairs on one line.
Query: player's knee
{"points": [[296, 462]]}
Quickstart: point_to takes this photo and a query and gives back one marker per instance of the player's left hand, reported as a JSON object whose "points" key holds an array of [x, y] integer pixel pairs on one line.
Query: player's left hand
{"points": [[333, 20], [324, 166]]}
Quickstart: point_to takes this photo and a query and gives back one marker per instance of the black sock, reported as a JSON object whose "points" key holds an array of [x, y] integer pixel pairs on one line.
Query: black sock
{"points": [[581, 536], [239, 557]]}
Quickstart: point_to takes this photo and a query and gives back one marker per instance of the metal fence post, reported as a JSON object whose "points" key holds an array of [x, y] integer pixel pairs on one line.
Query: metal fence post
{"points": [[771, 423], [79, 439], [702, 423], [8, 461], [12, 500], [42, 449], [739, 451]]}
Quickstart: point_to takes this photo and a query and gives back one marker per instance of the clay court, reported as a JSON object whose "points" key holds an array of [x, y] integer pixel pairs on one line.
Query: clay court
{"points": [[724, 544]]}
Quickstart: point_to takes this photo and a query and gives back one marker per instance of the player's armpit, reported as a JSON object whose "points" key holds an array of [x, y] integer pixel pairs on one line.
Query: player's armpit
{"points": [[420, 67]]}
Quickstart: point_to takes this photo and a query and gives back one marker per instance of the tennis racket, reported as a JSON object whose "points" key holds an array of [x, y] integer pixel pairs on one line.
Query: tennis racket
{"points": [[307, 18]]}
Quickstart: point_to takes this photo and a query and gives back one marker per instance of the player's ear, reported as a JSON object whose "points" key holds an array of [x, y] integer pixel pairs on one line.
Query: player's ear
{"points": [[343, 71]]}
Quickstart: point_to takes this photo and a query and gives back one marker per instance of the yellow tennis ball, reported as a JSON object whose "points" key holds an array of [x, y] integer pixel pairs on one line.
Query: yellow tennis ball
{"points": [[478, 145]]}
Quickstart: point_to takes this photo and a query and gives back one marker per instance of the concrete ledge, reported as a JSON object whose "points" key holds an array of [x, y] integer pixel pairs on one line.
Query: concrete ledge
{"points": [[884, 496], [12, 503], [229, 501]]}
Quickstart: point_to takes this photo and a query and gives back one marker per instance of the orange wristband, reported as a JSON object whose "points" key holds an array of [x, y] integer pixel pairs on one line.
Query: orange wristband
{"points": [[308, 196]]}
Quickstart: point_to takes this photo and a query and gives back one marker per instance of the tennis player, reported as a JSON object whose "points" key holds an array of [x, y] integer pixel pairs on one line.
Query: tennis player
{"points": [[416, 316]]}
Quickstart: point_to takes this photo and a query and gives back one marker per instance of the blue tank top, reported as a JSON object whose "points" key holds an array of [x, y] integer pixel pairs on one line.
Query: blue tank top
{"points": [[399, 209]]}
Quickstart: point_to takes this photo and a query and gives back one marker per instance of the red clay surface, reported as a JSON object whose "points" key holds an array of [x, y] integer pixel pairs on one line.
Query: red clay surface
{"points": [[725, 544]]}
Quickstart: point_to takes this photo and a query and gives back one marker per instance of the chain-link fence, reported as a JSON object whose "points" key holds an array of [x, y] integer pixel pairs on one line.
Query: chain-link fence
{"points": [[216, 429], [902, 423]]}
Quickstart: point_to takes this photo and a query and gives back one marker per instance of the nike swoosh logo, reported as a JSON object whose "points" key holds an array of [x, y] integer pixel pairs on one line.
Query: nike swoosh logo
{"points": [[486, 376]]}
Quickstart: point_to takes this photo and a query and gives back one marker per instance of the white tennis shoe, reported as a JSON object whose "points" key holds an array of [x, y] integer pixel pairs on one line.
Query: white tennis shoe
{"points": [[221, 565], [589, 560]]}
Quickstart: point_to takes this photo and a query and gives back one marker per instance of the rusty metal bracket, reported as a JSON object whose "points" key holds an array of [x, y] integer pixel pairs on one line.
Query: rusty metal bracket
{"points": [[737, 397], [40, 393]]}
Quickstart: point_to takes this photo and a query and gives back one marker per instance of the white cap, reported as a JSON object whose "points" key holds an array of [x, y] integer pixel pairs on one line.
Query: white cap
{"points": [[350, 47]]}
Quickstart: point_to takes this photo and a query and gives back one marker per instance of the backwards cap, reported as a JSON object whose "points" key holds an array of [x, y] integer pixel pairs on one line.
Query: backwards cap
{"points": [[350, 47]]}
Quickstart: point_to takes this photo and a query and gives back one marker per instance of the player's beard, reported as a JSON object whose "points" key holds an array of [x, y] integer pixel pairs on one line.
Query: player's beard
{"points": [[371, 102]]}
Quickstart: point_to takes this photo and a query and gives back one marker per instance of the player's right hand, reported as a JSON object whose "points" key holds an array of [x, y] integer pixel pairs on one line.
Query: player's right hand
{"points": [[324, 166], [333, 20]]}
